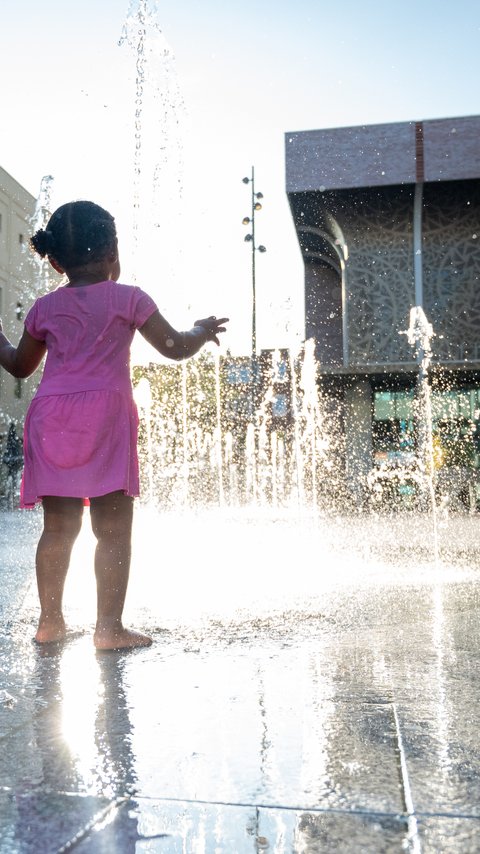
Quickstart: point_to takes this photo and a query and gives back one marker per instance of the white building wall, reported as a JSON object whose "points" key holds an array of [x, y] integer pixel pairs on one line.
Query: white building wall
{"points": [[17, 290]]}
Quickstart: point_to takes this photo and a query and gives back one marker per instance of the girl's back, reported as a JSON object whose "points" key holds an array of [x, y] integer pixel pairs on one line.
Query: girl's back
{"points": [[88, 331]]}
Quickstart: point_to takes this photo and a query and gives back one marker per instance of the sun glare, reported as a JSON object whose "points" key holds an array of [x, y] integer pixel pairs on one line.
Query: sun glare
{"points": [[80, 682]]}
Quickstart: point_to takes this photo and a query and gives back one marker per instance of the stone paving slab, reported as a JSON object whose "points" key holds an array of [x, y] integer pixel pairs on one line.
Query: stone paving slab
{"points": [[34, 822], [325, 706], [175, 828]]}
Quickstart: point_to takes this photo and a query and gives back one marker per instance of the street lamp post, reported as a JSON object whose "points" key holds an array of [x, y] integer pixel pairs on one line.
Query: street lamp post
{"points": [[250, 238]]}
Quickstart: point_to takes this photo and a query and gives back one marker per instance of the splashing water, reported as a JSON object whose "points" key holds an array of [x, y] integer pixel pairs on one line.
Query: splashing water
{"points": [[158, 132], [202, 445], [195, 452], [420, 333], [204, 452], [43, 206], [38, 220]]}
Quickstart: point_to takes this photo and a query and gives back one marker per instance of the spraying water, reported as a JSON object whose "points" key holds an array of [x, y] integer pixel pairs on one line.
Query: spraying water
{"points": [[158, 133], [38, 220], [420, 333], [277, 456], [219, 458]]}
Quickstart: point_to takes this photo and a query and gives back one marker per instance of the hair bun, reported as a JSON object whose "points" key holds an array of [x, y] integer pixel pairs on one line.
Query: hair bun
{"points": [[42, 242]]}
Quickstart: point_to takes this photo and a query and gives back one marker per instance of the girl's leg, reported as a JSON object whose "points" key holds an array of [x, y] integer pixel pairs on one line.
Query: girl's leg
{"points": [[112, 517], [62, 523]]}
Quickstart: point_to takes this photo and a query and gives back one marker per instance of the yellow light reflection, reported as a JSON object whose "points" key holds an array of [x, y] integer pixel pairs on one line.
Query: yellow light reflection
{"points": [[442, 646], [82, 691]]}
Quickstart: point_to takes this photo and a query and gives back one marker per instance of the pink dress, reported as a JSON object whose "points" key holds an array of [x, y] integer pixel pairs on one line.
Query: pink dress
{"points": [[80, 435]]}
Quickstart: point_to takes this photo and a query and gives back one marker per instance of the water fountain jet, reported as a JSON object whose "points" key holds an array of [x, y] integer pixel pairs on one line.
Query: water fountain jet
{"points": [[420, 333]]}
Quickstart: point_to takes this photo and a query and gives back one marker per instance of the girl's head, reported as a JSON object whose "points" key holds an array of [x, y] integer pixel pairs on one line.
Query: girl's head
{"points": [[77, 234]]}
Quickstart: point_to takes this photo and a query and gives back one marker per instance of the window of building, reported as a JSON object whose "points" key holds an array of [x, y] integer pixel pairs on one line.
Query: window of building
{"points": [[280, 406], [238, 374], [393, 433], [455, 426], [392, 405], [279, 367]]}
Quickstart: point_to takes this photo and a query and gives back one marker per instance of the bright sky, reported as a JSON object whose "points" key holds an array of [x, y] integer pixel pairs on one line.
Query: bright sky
{"points": [[243, 74]]}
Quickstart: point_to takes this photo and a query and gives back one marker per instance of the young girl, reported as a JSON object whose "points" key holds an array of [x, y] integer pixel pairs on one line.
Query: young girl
{"points": [[80, 435]]}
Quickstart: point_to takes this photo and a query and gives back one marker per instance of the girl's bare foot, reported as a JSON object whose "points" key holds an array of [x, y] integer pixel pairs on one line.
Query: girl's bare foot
{"points": [[51, 629], [116, 637]]}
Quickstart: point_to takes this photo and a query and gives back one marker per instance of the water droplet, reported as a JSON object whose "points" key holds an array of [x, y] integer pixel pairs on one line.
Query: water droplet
{"points": [[7, 700]]}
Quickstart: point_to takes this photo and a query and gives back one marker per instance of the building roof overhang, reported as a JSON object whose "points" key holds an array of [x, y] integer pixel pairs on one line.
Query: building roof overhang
{"points": [[383, 154]]}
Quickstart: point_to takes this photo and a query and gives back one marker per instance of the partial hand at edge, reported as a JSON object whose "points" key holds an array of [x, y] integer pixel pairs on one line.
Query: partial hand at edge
{"points": [[212, 326]]}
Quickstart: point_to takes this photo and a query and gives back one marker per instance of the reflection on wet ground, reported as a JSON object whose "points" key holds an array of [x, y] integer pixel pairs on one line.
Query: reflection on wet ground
{"points": [[314, 689]]}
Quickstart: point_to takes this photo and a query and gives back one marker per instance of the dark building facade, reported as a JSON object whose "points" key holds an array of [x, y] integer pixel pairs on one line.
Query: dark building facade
{"points": [[388, 218]]}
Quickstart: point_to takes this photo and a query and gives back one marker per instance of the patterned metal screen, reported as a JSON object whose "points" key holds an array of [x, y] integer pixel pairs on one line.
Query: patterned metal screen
{"points": [[451, 269], [379, 276]]}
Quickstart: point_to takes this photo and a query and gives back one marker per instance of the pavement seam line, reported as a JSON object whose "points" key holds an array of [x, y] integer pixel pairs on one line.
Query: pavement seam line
{"points": [[400, 816], [412, 823], [100, 817]]}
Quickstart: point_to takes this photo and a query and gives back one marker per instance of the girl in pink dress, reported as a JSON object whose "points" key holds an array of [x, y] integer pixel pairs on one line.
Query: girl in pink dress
{"points": [[80, 436]]}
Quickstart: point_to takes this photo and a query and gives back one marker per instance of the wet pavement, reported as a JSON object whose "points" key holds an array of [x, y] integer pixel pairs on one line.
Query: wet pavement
{"points": [[314, 688]]}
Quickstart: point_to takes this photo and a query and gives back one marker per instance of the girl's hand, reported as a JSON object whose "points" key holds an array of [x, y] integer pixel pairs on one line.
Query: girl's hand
{"points": [[181, 345], [212, 326]]}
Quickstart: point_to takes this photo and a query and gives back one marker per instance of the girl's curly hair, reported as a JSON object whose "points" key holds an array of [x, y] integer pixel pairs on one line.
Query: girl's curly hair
{"points": [[76, 233]]}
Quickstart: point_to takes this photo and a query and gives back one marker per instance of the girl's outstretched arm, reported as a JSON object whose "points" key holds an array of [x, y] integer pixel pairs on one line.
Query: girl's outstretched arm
{"points": [[181, 345], [23, 360]]}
